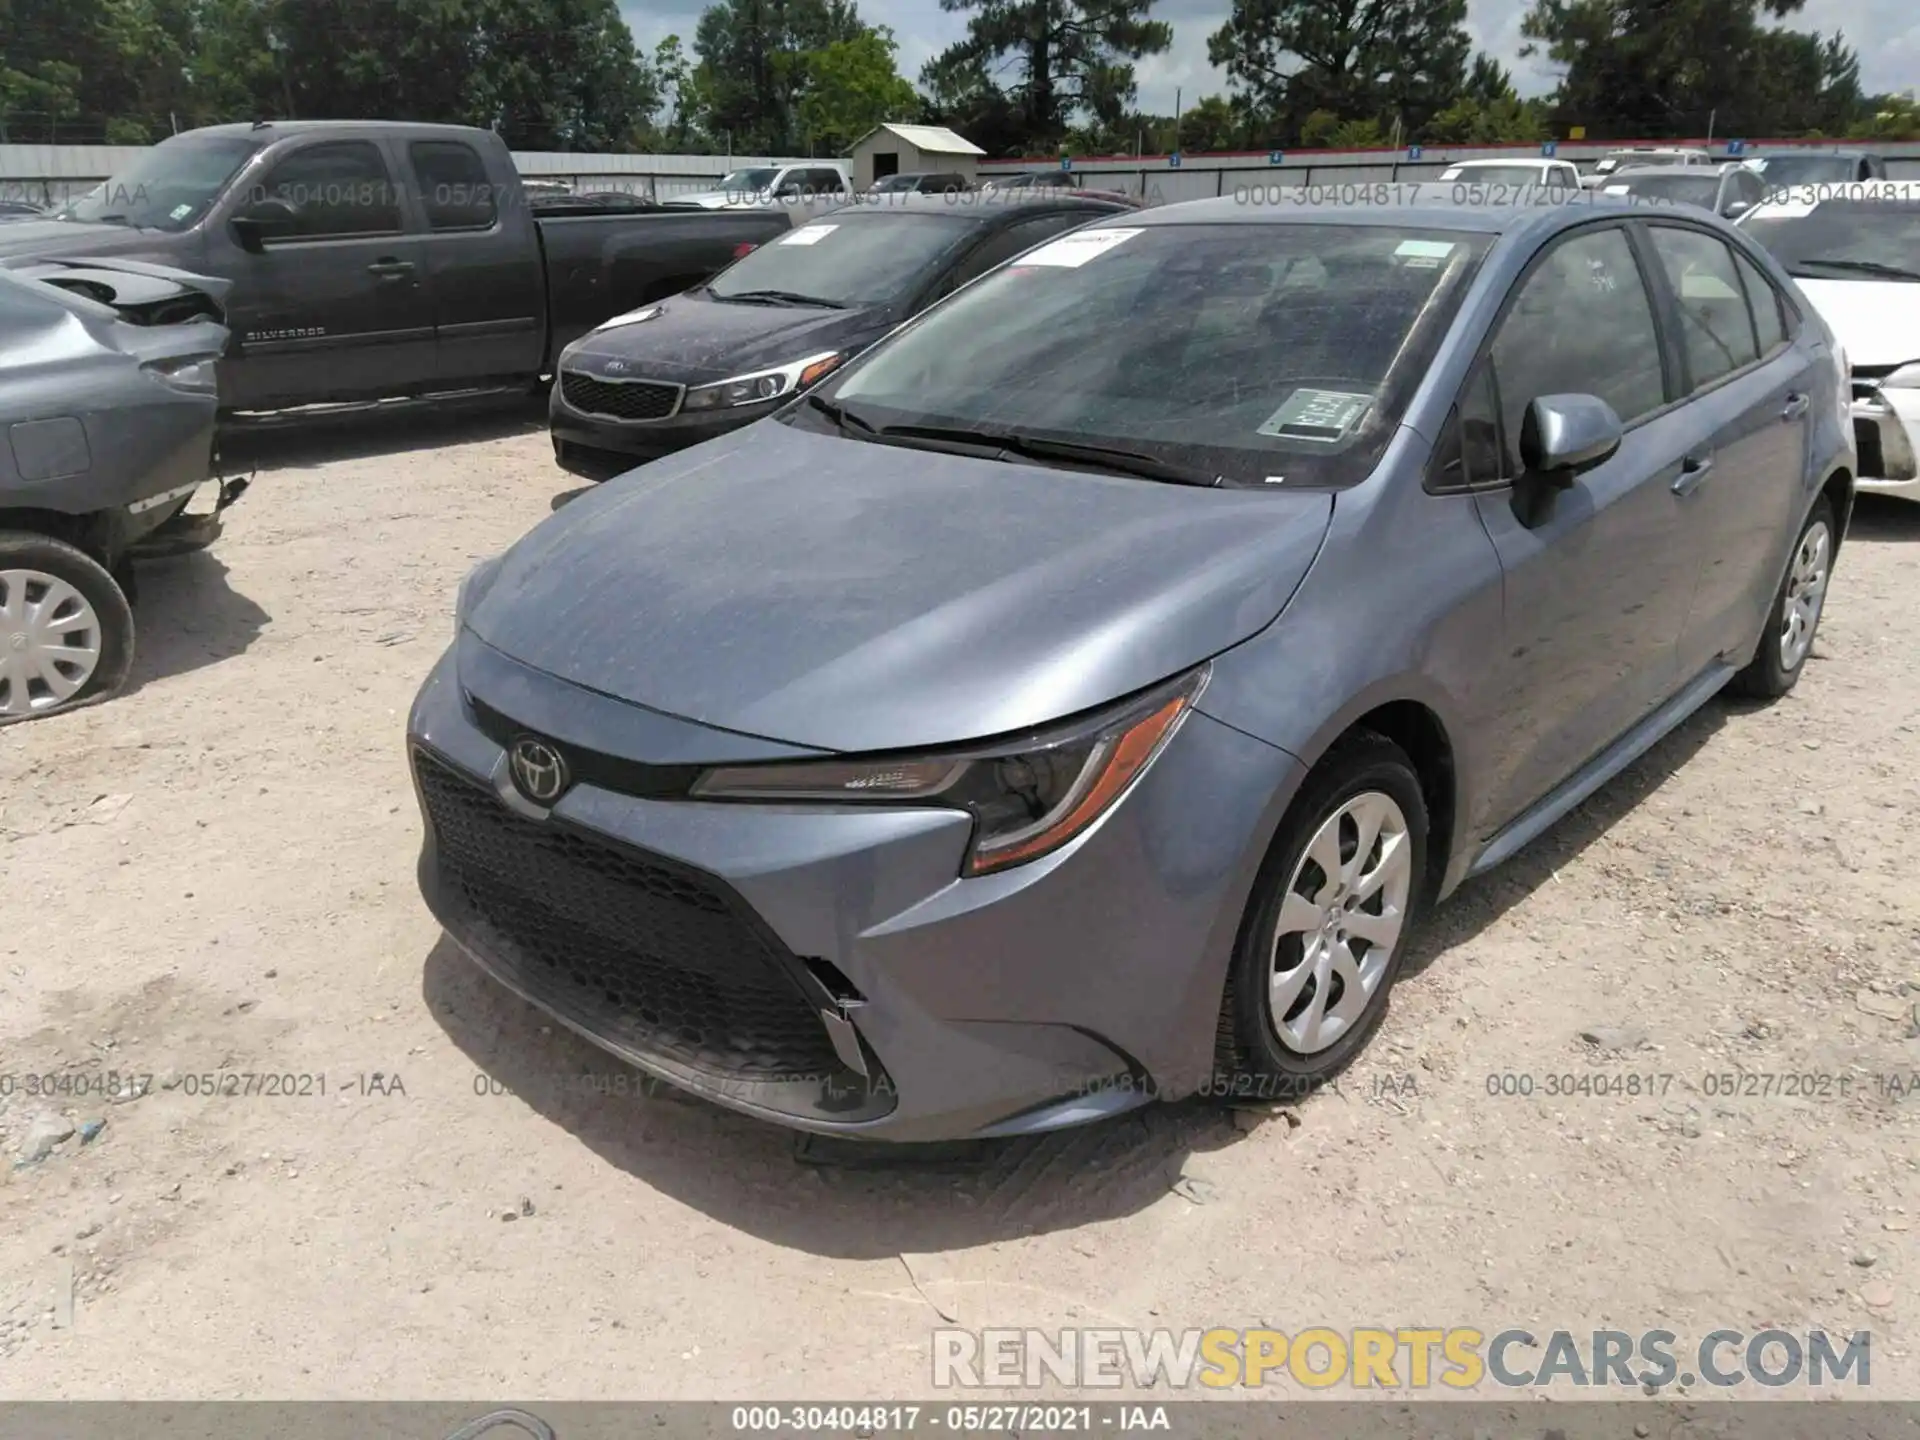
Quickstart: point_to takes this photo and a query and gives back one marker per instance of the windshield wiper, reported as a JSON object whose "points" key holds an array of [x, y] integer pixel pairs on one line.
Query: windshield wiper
{"points": [[841, 416], [1862, 267], [109, 220], [778, 297], [1030, 447]]}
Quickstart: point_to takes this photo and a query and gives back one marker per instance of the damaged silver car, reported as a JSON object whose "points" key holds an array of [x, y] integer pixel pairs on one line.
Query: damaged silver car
{"points": [[107, 401]]}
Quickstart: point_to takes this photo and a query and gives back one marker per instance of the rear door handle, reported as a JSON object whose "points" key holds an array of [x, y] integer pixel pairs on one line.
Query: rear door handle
{"points": [[1693, 470], [1795, 407], [391, 269]]}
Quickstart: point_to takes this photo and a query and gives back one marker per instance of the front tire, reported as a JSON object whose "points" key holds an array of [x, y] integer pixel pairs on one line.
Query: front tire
{"points": [[1331, 915], [1795, 614], [66, 628]]}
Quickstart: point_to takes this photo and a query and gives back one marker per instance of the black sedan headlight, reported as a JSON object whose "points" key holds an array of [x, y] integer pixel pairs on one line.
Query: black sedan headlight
{"points": [[762, 385], [1028, 797]]}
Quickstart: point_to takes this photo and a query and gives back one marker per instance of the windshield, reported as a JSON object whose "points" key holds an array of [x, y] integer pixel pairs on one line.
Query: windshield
{"points": [[169, 187], [854, 258], [1686, 189], [1263, 353], [1505, 175], [757, 178], [893, 184], [1778, 170], [1839, 236]]}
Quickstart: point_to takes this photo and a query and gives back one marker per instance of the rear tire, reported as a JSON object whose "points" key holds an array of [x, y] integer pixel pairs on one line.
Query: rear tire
{"points": [[66, 628], [1794, 617], [1332, 912]]}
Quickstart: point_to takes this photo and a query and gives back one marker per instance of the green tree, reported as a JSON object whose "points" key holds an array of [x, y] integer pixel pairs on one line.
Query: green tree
{"points": [[852, 86], [754, 56], [1632, 68], [1384, 61], [1212, 124], [1065, 58]]}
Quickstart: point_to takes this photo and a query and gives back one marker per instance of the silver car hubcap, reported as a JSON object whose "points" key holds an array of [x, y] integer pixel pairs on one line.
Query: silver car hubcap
{"points": [[1806, 592], [1339, 922], [49, 642]]}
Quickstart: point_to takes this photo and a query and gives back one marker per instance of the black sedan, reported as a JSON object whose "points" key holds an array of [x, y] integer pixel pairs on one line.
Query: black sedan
{"points": [[717, 357]]}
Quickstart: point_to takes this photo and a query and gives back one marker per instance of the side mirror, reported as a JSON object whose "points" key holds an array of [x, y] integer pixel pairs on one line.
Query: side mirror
{"points": [[262, 220], [1562, 435]]}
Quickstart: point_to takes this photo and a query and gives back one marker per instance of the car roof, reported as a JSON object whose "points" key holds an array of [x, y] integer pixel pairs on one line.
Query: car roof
{"points": [[266, 130], [1684, 172], [1846, 154], [1435, 213], [1511, 160], [983, 207]]}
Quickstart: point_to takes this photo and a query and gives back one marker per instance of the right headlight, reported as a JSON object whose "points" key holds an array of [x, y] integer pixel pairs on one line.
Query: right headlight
{"points": [[1027, 797], [476, 584]]}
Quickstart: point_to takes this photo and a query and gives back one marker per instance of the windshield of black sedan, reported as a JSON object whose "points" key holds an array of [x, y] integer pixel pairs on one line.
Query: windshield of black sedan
{"points": [[1827, 240], [169, 187], [1264, 353], [758, 178], [853, 257]]}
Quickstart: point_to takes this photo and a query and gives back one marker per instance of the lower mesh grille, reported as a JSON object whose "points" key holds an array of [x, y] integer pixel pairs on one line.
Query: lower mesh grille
{"points": [[656, 957], [619, 400]]}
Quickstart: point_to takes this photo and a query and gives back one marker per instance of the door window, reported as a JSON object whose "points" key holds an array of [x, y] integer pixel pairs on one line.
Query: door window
{"points": [[825, 182], [1764, 301], [1581, 323], [454, 189], [1470, 457], [1716, 329], [338, 189]]}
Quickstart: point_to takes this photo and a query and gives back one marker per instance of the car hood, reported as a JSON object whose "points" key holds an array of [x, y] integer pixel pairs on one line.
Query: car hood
{"points": [[850, 596], [70, 237], [691, 339], [1877, 322]]}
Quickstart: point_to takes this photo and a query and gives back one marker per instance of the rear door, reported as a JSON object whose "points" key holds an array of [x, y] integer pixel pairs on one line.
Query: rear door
{"points": [[339, 306], [1597, 577], [1752, 390], [484, 266]]}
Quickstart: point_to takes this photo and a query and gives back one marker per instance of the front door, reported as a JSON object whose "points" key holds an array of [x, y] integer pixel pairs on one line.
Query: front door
{"points": [[1597, 577], [339, 305]]}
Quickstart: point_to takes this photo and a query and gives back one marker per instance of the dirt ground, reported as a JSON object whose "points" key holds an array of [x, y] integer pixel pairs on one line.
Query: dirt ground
{"points": [[214, 873]]}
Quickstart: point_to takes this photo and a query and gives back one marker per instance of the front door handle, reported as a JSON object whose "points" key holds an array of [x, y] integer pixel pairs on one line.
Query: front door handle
{"points": [[391, 269], [1693, 470], [1795, 407]]}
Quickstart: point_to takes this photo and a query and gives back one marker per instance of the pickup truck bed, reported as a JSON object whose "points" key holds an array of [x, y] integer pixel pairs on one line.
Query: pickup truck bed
{"points": [[374, 260]]}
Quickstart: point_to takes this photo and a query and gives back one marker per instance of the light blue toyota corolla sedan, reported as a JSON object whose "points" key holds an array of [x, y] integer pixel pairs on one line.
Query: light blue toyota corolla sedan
{"points": [[1082, 697]]}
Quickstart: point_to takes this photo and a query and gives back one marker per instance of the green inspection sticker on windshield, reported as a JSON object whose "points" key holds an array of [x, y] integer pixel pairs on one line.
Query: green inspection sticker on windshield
{"points": [[1323, 415]]}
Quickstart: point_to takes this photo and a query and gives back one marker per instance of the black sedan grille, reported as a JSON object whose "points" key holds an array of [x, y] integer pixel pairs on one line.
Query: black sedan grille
{"points": [[659, 958], [619, 399]]}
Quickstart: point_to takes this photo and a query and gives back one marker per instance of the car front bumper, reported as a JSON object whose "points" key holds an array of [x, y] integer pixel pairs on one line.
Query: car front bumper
{"points": [[598, 446], [1886, 430], [826, 967]]}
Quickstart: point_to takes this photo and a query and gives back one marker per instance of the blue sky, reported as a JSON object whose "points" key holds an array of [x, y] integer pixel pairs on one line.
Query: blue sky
{"points": [[1886, 33]]}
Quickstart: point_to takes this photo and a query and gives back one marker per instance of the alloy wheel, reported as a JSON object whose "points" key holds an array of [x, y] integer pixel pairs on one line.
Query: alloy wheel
{"points": [[1806, 592], [1340, 920]]}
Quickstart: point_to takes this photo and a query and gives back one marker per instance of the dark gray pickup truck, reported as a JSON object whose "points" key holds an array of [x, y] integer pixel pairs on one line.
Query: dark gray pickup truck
{"points": [[379, 259]]}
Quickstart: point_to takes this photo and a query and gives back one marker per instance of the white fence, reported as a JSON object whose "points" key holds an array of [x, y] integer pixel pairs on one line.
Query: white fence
{"points": [[50, 174]]}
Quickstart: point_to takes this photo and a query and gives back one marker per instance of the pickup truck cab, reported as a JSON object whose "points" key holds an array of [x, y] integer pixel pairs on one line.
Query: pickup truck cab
{"points": [[371, 260]]}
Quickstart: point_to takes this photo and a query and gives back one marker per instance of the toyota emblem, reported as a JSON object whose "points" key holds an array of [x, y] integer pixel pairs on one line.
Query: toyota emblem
{"points": [[538, 771]]}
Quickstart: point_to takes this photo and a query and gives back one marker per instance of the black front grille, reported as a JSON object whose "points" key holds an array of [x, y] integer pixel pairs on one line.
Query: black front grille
{"points": [[621, 399], [655, 956]]}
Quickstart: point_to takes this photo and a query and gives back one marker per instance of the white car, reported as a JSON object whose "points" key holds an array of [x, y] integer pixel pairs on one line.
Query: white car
{"points": [[1854, 250], [1547, 174], [1611, 164], [766, 184]]}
